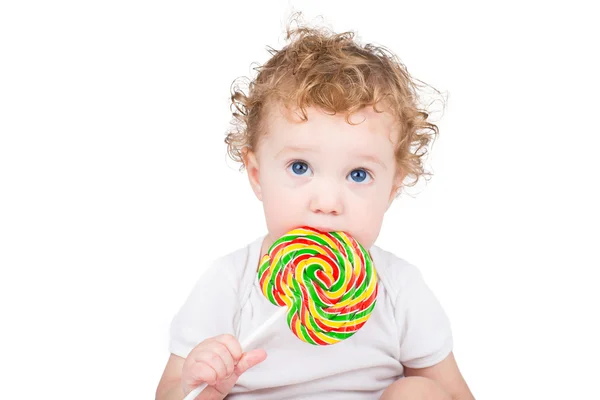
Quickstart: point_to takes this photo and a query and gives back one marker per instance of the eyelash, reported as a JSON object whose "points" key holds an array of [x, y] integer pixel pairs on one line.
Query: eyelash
{"points": [[367, 171]]}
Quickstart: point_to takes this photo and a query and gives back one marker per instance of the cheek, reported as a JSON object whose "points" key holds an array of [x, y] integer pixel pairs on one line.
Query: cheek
{"points": [[282, 209], [366, 220]]}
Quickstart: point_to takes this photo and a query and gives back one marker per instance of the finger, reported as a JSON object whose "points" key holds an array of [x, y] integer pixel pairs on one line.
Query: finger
{"points": [[199, 373], [249, 360], [226, 356], [232, 344], [213, 359]]}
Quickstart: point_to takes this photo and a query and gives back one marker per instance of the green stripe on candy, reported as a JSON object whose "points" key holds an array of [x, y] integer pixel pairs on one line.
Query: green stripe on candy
{"points": [[304, 332]]}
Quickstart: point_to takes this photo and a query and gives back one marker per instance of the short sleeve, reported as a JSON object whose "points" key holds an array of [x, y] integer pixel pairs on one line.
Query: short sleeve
{"points": [[425, 332], [208, 311]]}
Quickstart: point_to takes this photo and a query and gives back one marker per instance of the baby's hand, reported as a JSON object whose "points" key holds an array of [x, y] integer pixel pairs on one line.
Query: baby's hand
{"points": [[218, 362]]}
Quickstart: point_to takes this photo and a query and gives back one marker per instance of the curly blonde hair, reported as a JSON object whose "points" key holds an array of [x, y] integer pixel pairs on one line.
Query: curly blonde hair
{"points": [[331, 71]]}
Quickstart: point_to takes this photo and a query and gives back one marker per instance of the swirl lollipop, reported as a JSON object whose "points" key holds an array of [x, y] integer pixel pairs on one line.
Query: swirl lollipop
{"points": [[325, 282]]}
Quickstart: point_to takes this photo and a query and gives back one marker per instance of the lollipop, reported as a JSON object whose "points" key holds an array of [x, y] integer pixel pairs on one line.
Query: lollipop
{"points": [[324, 281]]}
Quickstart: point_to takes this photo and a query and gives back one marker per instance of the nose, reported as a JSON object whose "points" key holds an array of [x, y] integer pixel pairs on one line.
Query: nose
{"points": [[327, 199]]}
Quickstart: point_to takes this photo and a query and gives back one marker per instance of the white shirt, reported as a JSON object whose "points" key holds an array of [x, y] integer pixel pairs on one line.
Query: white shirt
{"points": [[407, 327]]}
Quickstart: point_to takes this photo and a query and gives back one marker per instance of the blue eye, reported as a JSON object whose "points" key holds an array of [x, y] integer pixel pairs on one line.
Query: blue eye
{"points": [[299, 168], [359, 175]]}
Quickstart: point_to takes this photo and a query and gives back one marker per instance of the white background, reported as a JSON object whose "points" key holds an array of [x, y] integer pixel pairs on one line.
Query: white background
{"points": [[115, 189]]}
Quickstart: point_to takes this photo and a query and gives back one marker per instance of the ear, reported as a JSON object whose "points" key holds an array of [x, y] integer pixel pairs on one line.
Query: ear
{"points": [[395, 192], [251, 165], [396, 188]]}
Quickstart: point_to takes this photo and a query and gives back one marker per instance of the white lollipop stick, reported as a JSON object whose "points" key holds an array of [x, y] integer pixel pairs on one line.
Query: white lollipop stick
{"points": [[246, 344]]}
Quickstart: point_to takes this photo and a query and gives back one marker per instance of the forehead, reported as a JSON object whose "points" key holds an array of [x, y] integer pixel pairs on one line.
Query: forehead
{"points": [[367, 128]]}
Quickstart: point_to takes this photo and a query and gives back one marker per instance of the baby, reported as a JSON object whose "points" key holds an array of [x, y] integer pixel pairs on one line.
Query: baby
{"points": [[327, 133]]}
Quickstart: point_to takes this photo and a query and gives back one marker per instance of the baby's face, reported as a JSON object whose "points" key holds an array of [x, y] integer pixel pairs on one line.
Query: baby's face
{"points": [[325, 173]]}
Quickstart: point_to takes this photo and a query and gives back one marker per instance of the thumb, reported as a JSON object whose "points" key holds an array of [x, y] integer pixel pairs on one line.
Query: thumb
{"points": [[249, 360]]}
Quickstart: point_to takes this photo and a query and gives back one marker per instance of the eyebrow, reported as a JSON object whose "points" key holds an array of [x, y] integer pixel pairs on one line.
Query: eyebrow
{"points": [[373, 159], [365, 157]]}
